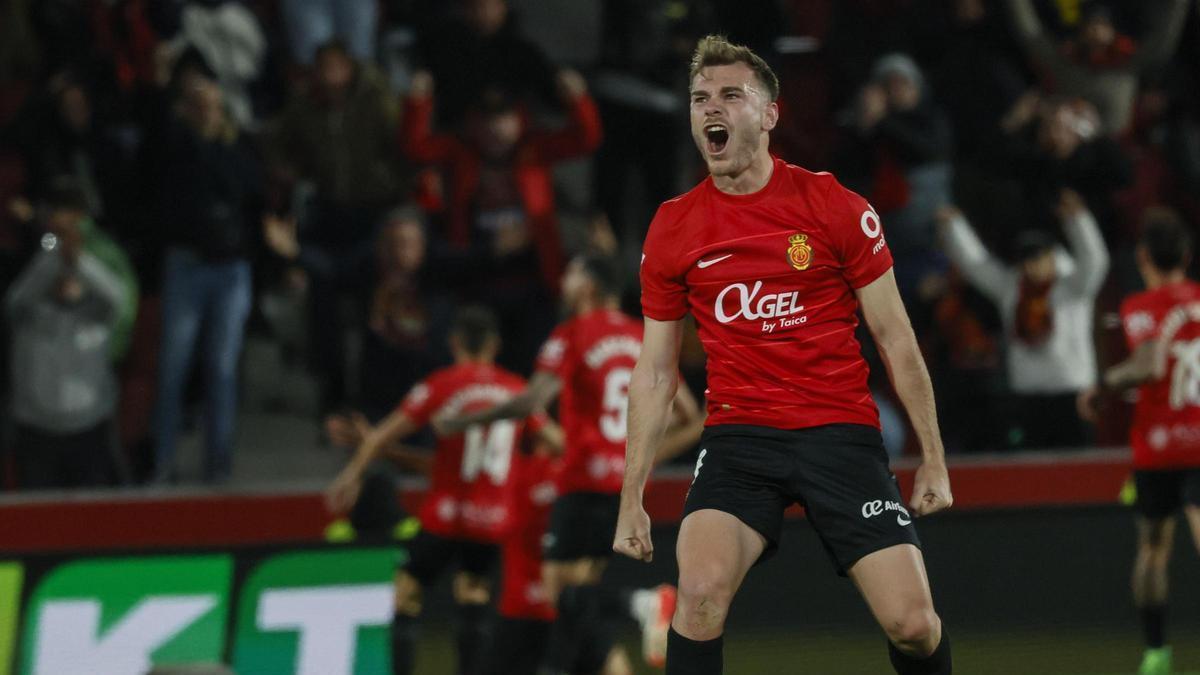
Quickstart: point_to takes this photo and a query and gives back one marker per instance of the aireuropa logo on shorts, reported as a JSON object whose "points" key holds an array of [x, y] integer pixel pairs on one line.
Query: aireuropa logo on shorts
{"points": [[879, 506], [307, 612]]}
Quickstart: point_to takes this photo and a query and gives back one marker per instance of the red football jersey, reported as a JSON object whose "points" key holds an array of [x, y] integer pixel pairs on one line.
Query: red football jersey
{"points": [[1166, 420], [593, 355], [468, 491], [770, 279], [522, 594]]}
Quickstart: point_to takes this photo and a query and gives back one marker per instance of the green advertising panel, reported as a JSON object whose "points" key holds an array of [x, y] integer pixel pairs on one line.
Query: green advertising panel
{"points": [[317, 613], [11, 575], [122, 616]]}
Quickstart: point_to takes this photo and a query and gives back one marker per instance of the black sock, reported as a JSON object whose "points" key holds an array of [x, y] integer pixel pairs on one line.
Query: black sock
{"points": [[937, 663], [404, 630], [471, 637], [1154, 628], [694, 657]]}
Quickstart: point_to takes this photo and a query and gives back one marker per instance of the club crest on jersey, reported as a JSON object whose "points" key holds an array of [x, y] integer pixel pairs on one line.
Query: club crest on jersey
{"points": [[799, 253]]}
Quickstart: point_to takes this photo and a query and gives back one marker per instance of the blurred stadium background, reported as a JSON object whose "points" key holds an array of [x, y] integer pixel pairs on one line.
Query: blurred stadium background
{"points": [[154, 511]]}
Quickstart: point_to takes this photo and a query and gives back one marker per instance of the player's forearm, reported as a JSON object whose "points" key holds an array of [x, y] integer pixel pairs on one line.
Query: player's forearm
{"points": [[910, 378], [517, 407], [650, 394]]}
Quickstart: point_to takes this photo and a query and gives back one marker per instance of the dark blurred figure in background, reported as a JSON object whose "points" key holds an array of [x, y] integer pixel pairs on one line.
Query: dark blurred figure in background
{"points": [[339, 138], [312, 23], [1047, 305], [1056, 143], [69, 314], [62, 134], [897, 151], [407, 314], [500, 218], [1098, 63], [481, 48], [211, 190]]}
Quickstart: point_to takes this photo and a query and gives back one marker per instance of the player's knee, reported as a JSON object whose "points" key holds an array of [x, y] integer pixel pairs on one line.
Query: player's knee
{"points": [[916, 631], [703, 601]]}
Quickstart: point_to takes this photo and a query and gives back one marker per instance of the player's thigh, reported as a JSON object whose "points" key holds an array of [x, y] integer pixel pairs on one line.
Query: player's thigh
{"points": [[428, 556], [715, 550], [473, 581], [1156, 535], [850, 495], [895, 586]]}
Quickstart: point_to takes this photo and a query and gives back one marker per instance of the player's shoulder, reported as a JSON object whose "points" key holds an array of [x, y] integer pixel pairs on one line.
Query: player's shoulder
{"points": [[507, 378], [675, 210]]}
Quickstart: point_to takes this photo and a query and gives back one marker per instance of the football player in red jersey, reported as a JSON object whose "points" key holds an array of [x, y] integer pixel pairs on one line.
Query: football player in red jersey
{"points": [[774, 263], [586, 364], [1162, 328], [468, 504]]}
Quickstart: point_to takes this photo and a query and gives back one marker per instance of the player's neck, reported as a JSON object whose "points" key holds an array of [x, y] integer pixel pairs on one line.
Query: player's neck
{"points": [[1166, 279], [589, 305], [751, 179]]}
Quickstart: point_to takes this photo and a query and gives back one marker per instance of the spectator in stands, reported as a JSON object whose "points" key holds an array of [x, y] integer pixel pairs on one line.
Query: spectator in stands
{"points": [[226, 34], [978, 74], [339, 137], [1046, 304], [1055, 143], [897, 152], [1098, 63], [67, 312], [408, 316], [312, 23], [500, 218], [59, 134], [211, 190], [480, 49]]}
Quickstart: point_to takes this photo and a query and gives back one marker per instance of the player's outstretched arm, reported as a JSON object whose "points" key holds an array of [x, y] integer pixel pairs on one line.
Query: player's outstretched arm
{"points": [[1141, 366], [885, 315], [541, 391], [343, 491], [654, 385]]}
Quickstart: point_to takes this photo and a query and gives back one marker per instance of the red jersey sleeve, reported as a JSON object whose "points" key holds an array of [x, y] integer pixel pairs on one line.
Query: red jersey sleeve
{"points": [[857, 235], [1137, 323], [553, 356], [664, 293], [420, 402]]}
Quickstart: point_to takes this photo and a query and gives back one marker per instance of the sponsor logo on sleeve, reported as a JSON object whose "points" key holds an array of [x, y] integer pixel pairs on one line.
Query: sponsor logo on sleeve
{"points": [[873, 228]]}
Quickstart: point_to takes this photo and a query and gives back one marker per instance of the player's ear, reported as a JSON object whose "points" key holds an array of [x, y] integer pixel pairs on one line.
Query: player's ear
{"points": [[770, 116]]}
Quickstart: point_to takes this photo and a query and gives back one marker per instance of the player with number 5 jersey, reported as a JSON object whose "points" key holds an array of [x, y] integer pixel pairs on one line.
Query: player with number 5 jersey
{"points": [[586, 363]]}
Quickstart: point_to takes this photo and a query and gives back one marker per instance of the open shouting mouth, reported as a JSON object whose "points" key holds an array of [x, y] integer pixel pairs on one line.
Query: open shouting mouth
{"points": [[717, 137]]}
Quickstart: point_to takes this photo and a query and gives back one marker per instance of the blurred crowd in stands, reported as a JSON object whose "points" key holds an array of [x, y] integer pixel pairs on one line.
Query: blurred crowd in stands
{"points": [[171, 170]]}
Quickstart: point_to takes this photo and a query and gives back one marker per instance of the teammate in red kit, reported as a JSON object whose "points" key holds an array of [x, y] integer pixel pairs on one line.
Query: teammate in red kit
{"points": [[1162, 328], [468, 505], [586, 363], [774, 262]]}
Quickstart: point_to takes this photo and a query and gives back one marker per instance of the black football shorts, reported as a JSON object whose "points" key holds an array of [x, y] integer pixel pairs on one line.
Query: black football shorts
{"points": [[429, 555], [1162, 493], [839, 473], [582, 525]]}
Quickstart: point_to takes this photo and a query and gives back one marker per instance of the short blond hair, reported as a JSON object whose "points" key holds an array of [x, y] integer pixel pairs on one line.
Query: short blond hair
{"points": [[716, 50]]}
